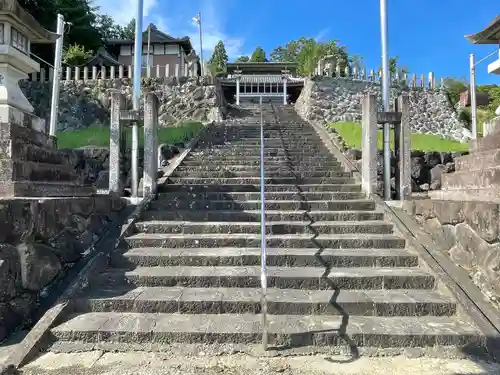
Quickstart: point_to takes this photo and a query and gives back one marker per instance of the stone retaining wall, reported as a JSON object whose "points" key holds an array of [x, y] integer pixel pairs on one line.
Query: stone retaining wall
{"points": [[326, 99], [39, 241], [469, 232], [87, 103], [426, 167]]}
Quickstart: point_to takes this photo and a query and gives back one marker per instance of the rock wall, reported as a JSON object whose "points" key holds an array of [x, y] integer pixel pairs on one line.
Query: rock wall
{"points": [[87, 103], [326, 99], [39, 241], [469, 232], [426, 167]]}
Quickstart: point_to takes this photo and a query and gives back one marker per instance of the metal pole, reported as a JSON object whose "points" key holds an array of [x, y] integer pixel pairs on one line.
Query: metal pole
{"points": [[385, 99], [473, 105], [136, 95], [263, 267], [201, 45], [148, 69], [54, 104]]}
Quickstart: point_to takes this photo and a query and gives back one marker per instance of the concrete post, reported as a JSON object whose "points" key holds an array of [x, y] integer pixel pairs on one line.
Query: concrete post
{"points": [[150, 144], [369, 144], [115, 141], [402, 139], [237, 90]]}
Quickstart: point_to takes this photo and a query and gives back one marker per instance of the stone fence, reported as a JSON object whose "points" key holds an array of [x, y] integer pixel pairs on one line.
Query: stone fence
{"points": [[86, 73]]}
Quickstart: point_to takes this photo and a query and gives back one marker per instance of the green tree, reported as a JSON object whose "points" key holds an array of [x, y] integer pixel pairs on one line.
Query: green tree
{"points": [[259, 55], [307, 52], [128, 31], [76, 55], [108, 28], [242, 59], [394, 66], [218, 61], [454, 87]]}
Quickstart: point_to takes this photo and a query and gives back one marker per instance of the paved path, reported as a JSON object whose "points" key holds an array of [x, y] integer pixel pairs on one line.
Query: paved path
{"points": [[147, 363]]}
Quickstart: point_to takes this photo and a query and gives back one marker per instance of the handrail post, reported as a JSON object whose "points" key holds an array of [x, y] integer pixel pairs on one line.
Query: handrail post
{"points": [[263, 272]]}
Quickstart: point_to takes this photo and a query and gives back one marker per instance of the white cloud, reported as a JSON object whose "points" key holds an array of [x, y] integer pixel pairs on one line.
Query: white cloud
{"points": [[123, 13]]}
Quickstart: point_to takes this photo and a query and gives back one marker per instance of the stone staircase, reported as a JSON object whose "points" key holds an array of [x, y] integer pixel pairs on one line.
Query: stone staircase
{"points": [[477, 175], [31, 166], [338, 274]]}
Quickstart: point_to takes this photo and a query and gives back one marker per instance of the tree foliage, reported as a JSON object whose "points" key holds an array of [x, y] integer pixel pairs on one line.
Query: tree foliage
{"points": [[128, 31], [259, 55], [307, 52], [218, 61], [242, 59], [454, 87], [75, 55]]}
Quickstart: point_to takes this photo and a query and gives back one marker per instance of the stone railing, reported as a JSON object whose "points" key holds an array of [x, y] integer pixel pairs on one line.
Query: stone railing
{"points": [[85, 73], [400, 78]]}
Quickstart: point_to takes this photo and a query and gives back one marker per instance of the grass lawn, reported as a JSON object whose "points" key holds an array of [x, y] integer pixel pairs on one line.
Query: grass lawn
{"points": [[99, 137], [351, 133]]}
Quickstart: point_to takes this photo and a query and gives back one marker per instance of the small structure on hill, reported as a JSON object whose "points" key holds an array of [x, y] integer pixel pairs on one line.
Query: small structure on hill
{"points": [[250, 80]]}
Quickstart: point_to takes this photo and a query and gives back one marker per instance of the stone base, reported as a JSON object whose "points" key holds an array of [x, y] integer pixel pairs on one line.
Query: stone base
{"points": [[30, 164], [44, 189]]}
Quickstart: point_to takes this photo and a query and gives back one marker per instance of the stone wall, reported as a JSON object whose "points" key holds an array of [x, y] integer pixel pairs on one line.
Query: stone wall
{"points": [[469, 232], [39, 241], [426, 167], [84, 104], [326, 99]]}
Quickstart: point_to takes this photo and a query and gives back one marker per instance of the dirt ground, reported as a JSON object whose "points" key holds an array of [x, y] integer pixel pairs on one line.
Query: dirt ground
{"points": [[151, 363]]}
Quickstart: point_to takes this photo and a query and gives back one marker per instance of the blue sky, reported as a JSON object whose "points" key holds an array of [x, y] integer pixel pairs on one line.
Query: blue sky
{"points": [[427, 35]]}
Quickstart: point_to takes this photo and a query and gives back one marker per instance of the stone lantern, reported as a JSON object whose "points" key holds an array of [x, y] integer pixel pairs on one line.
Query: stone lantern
{"points": [[18, 29]]}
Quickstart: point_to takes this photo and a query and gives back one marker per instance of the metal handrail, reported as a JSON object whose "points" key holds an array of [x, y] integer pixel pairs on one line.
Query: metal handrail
{"points": [[263, 263]]}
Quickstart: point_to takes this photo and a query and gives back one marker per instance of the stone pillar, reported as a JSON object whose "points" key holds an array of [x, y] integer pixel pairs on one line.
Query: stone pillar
{"points": [[150, 144], [115, 141], [369, 144], [284, 91], [402, 139], [237, 90], [238, 79]]}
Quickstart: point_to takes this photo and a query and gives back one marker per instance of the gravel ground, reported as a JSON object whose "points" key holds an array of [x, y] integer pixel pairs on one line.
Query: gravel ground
{"points": [[151, 363]]}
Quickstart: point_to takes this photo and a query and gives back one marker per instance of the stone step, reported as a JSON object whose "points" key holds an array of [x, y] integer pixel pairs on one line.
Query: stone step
{"points": [[277, 257], [278, 140], [272, 227], [277, 277], [45, 189], [183, 300], [478, 160], [491, 194], [195, 172], [284, 330], [268, 168], [338, 241], [240, 152], [490, 142], [234, 188], [256, 180], [269, 163], [254, 215], [30, 152], [274, 196], [231, 204], [471, 179], [32, 171]]}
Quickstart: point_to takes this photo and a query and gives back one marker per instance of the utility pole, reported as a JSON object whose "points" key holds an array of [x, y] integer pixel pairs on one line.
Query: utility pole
{"points": [[385, 98], [136, 95], [54, 105], [197, 19], [148, 69]]}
